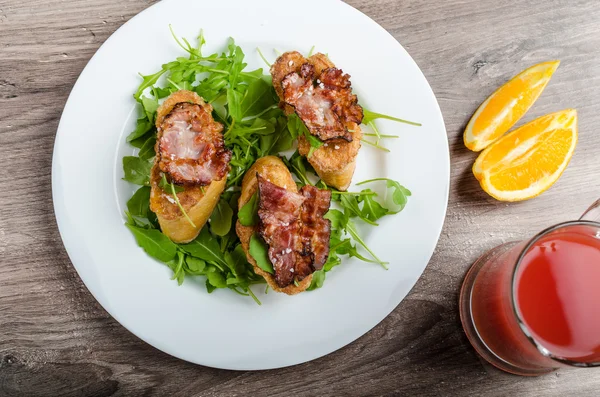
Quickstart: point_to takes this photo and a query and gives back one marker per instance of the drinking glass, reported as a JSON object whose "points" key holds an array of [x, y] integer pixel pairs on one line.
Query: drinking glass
{"points": [[530, 307]]}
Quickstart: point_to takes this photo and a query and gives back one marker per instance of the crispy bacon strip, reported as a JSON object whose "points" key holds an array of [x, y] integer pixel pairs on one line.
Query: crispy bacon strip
{"points": [[279, 214], [325, 103], [190, 146], [315, 231], [292, 225]]}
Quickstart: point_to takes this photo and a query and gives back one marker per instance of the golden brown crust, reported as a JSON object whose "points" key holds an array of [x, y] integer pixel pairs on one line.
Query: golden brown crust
{"points": [[320, 62], [272, 169], [175, 98], [198, 202], [287, 63], [197, 205], [334, 166]]}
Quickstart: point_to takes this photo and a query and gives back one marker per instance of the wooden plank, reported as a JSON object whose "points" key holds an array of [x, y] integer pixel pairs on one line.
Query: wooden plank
{"points": [[56, 340]]}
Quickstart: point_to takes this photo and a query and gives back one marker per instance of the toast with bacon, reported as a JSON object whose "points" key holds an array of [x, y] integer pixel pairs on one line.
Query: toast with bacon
{"points": [[190, 153], [321, 95], [290, 222]]}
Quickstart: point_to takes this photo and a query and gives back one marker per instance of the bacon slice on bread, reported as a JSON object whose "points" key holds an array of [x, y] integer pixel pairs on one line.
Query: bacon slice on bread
{"points": [[291, 223], [190, 153], [321, 95]]}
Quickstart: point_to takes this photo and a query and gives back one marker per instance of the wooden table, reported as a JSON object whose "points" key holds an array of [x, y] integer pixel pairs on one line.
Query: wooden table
{"points": [[55, 339]]}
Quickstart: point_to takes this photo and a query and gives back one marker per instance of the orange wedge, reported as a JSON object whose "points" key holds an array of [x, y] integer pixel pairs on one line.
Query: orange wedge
{"points": [[507, 105], [528, 160]]}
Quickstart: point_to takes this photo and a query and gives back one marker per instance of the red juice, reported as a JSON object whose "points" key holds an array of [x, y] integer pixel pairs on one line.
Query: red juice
{"points": [[558, 294], [493, 317]]}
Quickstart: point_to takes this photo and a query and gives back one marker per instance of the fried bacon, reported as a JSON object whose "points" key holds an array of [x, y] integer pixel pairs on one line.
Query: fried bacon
{"points": [[315, 230], [190, 146], [324, 103], [279, 213], [293, 227]]}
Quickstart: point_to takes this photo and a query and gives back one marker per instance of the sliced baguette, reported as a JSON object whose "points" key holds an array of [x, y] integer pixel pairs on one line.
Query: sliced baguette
{"points": [[272, 169], [198, 202], [335, 162]]}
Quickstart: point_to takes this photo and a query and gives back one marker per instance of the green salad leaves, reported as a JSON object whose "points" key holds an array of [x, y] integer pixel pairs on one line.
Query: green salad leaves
{"points": [[247, 105], [365, 206]]}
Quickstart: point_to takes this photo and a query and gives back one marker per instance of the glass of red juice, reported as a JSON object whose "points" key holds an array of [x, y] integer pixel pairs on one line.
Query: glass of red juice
{"points": [[533, 306]]}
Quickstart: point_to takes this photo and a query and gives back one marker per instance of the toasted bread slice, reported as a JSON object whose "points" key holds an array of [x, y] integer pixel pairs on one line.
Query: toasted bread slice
{"points": [[335, 161], [198, 202], [272, 169]]}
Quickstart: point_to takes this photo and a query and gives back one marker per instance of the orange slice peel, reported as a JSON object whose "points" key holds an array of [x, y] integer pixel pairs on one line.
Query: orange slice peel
{"points": [[530, 159], [501, 110]]}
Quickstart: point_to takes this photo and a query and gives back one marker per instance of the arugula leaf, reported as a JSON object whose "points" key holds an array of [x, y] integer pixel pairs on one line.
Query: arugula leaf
{"points": [[219, 106], [350, 204], [142, 126], [248, 214], [150, 105], [201, 43], [232, 198], [369, 116], [262, 127], [256, 74], [233, 103], [139, 142], [136, 170], [220, 219], [257, 98], [147, 82], [338, 219], [238, 64], [371, 209], [139, 203], [299, 167], [351, 229], [332, 261], [194, 266], [375, 144], [205, 247], [209, 287], [263, 57], [281, 140], [347, 248], [216, 279], [400, 194], [194, 53], [259, 251], [317, 281], [162, 92], [292, 125], [236, 260], [156, 244], [139, 221], [297, 128], [314, 142], [178, 269], [147, 150]]}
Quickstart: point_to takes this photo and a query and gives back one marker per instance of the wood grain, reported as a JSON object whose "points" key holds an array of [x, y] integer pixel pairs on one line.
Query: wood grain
{"points": [[56, 340]]}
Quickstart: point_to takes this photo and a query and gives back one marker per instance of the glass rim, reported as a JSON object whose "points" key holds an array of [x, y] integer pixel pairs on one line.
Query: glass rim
{"points": [[538, 345]]}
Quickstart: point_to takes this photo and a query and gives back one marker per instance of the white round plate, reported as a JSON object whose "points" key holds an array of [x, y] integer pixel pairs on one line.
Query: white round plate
{"points": [[223, 329]]}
